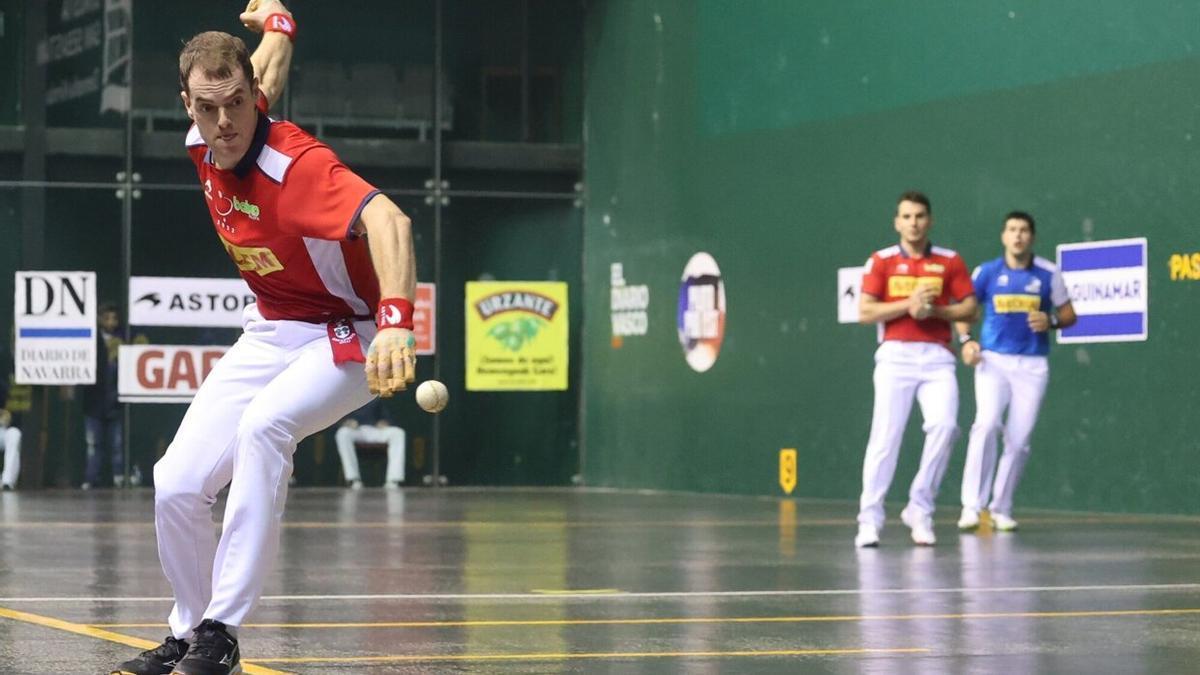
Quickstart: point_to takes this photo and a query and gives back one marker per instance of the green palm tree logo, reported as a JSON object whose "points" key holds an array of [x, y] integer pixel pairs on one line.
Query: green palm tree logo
{"points": [[514, 334]]}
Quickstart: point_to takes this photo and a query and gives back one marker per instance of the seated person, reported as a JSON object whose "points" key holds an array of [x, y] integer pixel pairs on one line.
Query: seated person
{"points": [[10, 442], [10, 435], [369, 424]]}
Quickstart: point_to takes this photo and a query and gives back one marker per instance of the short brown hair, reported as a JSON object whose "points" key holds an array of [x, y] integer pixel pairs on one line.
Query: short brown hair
{"points": [[217, 54], [916, 198]]}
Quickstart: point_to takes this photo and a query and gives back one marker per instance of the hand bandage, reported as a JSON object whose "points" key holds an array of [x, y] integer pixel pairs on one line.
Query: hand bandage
{"points": [[391, 361]]}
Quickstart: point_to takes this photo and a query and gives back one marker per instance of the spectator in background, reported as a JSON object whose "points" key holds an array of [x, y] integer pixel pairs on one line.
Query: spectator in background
{"points": [[10, 435], [10, 438], [369, 424], [103, 423]]}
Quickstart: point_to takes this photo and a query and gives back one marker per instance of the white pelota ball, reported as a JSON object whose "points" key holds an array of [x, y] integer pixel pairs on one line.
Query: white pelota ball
{"points": [[432, 396]]}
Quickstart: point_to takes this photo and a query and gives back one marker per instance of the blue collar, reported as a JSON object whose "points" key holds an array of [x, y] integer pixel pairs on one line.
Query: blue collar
{"points": [[1004, 261], [925, 254], [246, 164]]}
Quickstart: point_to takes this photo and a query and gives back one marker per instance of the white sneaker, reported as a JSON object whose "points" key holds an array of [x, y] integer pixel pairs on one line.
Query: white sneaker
{"points": [[1003, 523], [867, 537], [356, 485], [391, 485], [969, 520], [922, 528]]}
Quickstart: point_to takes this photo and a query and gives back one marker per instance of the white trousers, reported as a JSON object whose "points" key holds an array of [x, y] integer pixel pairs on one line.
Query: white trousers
{"points": [[904, 370], [346, 437], [275, 386], [11, 438], [1012, 381]]}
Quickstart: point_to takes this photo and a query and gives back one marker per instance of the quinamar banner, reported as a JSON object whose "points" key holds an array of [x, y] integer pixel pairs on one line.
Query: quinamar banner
{"points": [[516, 335]]}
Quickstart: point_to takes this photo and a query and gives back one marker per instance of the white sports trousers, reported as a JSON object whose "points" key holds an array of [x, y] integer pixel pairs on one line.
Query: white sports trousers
{"points": [[904, 370], [1012, 381], [11, 439], [346, 437], [275, 386]]}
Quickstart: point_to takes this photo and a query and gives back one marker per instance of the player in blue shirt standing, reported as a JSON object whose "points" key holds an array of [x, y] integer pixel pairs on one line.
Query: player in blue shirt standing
{"points": [[1022, 297]]}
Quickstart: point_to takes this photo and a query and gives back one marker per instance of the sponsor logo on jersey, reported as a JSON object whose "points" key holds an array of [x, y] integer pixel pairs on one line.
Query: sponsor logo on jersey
{"points": [[1034, 286], [258, 259], [903, 286], [224, 205], [1016, 303], [936, 268], [247, 208]]}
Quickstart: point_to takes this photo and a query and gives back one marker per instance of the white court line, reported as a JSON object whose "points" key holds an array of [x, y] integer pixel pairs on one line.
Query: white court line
{"points": [[685, 595]]}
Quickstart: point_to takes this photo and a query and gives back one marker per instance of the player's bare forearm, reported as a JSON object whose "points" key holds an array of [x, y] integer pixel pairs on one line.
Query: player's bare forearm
{"points": [[874, 310], [960, 311], [389, 236], [1067, 316], [391, 362], [272, 60]]}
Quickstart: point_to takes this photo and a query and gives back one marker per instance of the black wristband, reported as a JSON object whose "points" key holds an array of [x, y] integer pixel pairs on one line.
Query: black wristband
{"points": [[964, 338], [1055, 324]]}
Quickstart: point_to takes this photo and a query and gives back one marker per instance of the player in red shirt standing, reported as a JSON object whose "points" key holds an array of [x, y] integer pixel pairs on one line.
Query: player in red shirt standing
{"points": [[914, 290], [295, 221]]}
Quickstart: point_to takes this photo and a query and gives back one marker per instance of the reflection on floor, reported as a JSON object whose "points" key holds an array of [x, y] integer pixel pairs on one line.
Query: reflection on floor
{"points": [[521, 581]]}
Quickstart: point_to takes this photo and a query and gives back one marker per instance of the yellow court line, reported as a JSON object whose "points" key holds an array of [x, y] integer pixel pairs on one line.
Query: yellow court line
{"points": [[549, 656], [575, 591], [93, 632], [1086, 614]]}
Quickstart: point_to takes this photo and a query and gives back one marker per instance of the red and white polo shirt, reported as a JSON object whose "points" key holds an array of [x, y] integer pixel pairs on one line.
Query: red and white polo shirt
{"points": [[891, 274], [285, 215]]}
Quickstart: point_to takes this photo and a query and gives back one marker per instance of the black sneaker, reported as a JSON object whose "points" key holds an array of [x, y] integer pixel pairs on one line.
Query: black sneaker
{"points": [[213, 652], [158, 661]]}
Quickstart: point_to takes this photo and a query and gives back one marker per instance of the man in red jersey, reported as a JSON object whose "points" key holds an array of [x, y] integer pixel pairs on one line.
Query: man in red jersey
{"points": [[913, 290], [295, 221]]}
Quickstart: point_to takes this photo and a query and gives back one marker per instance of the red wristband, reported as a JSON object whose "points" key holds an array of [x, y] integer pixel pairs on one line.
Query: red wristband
{"points": [[394, 313], [281, 23]]}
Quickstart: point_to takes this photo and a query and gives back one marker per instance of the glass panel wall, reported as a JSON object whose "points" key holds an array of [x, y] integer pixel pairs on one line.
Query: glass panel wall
{"points": [[78, 229], [467, 113]]}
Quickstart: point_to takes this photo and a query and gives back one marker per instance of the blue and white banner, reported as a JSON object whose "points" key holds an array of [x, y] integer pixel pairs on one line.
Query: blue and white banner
{"points": [[55, 317], [1109, 288]]}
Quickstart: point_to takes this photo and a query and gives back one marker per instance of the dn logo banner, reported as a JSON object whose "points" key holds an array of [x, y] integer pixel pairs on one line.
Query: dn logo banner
{"points": [[516, 335], [55, 318]]}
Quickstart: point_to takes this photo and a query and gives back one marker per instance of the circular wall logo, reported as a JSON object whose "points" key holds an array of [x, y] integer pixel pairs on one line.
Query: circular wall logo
{"points": [[701, 315]]}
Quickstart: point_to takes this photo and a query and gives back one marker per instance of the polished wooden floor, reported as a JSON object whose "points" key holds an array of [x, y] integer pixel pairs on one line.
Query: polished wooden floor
{"points": [[553, 581]]}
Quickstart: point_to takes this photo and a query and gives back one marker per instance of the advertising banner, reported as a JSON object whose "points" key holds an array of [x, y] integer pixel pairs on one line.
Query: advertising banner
{"points": [[164, 373], [516, 335], [54, 314], [1109, 287]]}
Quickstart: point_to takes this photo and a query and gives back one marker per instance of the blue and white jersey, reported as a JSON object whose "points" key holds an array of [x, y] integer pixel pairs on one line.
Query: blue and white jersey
{"points": [[1008, 296]]}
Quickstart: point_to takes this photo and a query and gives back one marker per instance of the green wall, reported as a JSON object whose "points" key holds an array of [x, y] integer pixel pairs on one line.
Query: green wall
{"points": [[777, 136], [11, 45]]}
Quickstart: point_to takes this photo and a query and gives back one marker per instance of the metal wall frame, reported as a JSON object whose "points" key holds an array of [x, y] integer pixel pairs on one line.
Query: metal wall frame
{"points": [[35, 142]]}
